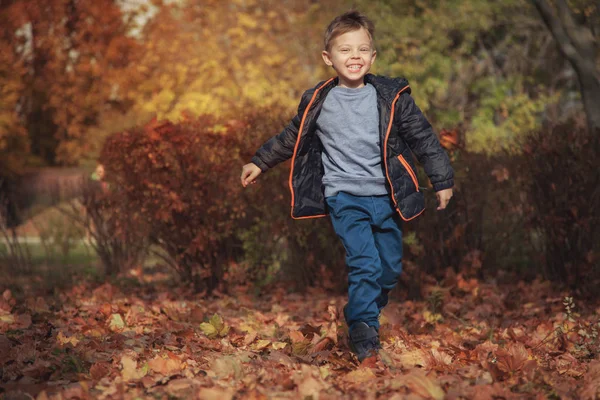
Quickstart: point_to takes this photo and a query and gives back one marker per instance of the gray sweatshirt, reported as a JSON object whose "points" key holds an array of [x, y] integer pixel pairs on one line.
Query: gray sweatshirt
{"points": [[348, 127]]}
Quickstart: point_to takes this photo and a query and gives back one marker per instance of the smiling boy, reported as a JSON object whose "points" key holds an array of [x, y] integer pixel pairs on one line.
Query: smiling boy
{"points": [[351, 145]]}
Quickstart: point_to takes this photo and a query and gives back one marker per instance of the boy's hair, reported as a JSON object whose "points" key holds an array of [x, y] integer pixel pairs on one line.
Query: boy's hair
{"points": [[348, 22]]}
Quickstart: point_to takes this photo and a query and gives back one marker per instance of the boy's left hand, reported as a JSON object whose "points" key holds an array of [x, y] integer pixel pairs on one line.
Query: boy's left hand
{"points": [[443, 197]]}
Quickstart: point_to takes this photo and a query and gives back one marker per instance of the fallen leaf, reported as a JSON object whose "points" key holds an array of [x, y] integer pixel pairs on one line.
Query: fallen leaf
{"points": [[165, 365], [420, 383], [250, 337], [261, 344], [130, 370], [278, 345], [512, 359], [62, 339], [309, 382], [215, 394], [591, 385], [209, 330], [411, 359], [99, 370], [296, 336], [360, 375], [227, 366], [116, 323]]}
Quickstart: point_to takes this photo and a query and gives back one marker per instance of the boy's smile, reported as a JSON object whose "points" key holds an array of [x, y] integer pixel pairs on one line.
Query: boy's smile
{"points": [[351, 55]]}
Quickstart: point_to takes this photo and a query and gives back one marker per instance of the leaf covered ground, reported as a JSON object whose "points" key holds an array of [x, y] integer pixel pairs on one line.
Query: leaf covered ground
{"points": [[466, 339]]}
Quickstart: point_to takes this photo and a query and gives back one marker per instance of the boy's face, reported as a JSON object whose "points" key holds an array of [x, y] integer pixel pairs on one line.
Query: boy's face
{"points": [[351, 55]]}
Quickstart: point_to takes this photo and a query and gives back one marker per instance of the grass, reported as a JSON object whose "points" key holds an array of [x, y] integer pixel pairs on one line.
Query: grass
{"points": [[49, 270]]}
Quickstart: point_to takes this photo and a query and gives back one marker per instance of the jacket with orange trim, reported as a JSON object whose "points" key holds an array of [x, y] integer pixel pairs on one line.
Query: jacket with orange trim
{"points": [[403, 131]]}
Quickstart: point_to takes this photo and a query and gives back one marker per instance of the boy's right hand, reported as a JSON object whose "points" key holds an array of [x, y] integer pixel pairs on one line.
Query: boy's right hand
{"points": [[249, 174]]}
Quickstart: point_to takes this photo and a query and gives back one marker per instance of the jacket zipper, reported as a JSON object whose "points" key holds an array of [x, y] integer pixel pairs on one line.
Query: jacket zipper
{"points": [[410, 171], [300, 129], [387, 175]]}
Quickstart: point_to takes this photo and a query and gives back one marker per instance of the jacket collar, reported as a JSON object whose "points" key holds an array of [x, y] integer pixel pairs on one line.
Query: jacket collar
{"points": [[387, 88]]}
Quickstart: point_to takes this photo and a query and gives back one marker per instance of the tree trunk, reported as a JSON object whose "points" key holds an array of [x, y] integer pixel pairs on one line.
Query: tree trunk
{"points": [[577, 44]]}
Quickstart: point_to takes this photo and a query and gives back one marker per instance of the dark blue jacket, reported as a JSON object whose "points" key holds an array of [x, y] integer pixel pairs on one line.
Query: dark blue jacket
{"points": [[403, 129]]}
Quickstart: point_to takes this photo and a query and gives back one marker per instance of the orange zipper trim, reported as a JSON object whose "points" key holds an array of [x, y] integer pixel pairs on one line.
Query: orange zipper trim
{"points": [[312, 100], [410, 171], [387, 135]]}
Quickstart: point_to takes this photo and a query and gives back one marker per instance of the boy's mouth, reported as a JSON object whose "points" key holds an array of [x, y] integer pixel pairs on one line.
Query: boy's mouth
{"points": [[354, 67]]}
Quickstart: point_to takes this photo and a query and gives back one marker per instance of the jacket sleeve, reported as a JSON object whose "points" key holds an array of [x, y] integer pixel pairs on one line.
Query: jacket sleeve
{"points": [[417, 132], [280, 147]]}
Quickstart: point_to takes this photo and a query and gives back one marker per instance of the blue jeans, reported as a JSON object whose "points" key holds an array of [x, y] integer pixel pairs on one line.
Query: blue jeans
{"points": [[370, 229]]}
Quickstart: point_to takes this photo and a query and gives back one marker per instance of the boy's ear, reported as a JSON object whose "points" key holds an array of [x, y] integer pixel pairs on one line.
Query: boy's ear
{"points": [[327, 58], [374, 56]]}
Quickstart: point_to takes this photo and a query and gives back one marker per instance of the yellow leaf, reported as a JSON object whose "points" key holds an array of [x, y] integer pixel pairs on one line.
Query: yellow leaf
{"points": [[130, 370], [261, 344], [413, 358], [116, 323], [217, 322], [62, 339], [209, 330], [360, 375], [7, 319], [223, 332], [432, 318], [420, 383], [278, 345]]}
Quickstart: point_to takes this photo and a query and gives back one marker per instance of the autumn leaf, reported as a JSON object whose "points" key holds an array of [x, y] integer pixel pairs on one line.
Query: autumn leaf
{"points": [[309, 382], [278, 345], [296, 336], [591, 387], [165, 365], [215, 327], [116, 323], [413, 358], [227, 366], [513, 359], [99, 370], [215, 394], [420, 383], [209, 330], [261, 344], [130, 370], [360, 375], [432, 318], [62, 339]]}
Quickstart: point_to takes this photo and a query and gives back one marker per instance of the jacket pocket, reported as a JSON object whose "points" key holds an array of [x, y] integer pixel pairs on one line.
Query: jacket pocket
{"points": [[410, 171]]}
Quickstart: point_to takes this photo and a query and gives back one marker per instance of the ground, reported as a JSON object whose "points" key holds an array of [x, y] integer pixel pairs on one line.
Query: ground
{"points": [[137, 338]]}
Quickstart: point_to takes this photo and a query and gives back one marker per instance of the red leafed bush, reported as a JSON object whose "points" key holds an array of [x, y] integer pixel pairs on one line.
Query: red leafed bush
{"points": [[182, 183], [564, 190]]}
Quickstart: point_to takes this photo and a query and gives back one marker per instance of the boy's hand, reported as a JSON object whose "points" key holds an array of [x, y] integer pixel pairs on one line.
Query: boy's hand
{"points": [[443, 197], [249, 174]]}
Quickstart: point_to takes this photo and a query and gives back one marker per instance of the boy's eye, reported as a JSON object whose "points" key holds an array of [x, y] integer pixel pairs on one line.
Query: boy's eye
{"points": [[344, 50], [365, 49]]}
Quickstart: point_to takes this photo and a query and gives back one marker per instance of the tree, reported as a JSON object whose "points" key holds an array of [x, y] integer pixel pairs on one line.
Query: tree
{"points": [[69, 56], [219, 57], [578, 42]]}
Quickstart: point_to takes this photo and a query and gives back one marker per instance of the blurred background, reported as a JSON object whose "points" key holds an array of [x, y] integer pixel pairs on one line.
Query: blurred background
{"points": [[124, 126]]}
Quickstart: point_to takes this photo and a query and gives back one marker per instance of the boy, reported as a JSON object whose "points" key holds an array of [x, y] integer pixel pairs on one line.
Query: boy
{"points": [[351, 144]]}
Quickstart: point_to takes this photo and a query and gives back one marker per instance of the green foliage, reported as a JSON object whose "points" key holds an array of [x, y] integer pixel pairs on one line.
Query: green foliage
{"points": [[480, 65]]}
